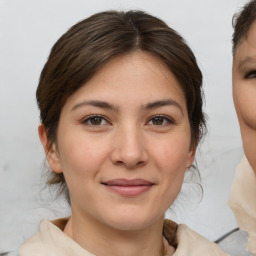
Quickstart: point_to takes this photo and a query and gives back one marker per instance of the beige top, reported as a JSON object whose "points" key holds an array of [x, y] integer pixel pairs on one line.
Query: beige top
{"points": [[243, 201], [50, 240]]}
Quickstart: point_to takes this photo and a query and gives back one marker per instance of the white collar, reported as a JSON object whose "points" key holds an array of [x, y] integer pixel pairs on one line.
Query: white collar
{"points": [[243, 201], [51, 238]]}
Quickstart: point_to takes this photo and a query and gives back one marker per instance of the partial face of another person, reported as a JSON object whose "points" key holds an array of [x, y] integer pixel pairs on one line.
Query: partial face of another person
{"points": [[124, 143], [244, 92]]}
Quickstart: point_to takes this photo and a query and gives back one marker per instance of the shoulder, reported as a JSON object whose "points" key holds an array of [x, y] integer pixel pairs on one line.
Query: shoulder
{"points": [[48, 239], [36, 244], [242, 202], [51, 240], [194, 244], [190, 243]]}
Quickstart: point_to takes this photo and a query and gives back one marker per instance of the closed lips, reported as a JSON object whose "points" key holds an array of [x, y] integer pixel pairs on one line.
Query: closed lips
{"points": [[127, 183], [129, 188]]}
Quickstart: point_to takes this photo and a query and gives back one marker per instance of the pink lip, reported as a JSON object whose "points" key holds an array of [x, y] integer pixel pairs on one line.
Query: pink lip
{"points": [[129, 188]]}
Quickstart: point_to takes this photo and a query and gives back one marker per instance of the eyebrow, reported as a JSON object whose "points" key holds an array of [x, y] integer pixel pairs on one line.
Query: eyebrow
{"points": [[246, 60], [162, 103], [150, 105], [95, 103]]}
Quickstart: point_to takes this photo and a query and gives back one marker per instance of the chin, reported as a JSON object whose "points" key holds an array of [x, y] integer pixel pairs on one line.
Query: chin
{"points": [[132, 222]]}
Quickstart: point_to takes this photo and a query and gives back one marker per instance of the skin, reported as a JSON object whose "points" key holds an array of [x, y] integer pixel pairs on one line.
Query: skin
{"points": [[125, 141], [244, 92]]}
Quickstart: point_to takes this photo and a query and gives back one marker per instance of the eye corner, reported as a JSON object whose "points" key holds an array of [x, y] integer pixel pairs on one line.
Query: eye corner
{"points": [[250, 74]]}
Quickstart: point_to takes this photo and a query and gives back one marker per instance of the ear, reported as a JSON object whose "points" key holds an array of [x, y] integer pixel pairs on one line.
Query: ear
{"points": [[51, 152], [191, 156]]}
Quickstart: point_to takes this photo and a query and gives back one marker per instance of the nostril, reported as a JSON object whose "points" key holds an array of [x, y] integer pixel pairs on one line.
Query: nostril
{"points": [[140, 163], [130, 165], [118, 162]]}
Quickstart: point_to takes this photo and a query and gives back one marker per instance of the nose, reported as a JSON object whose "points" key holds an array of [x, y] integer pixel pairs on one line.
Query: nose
{"points": [[129, 148]]}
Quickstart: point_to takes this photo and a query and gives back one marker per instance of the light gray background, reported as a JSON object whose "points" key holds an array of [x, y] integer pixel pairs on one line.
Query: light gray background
{"points": [[28, 29]]}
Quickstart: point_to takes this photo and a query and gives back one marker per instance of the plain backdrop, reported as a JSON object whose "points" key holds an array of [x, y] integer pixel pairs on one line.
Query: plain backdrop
{"points": [[29, 28]]}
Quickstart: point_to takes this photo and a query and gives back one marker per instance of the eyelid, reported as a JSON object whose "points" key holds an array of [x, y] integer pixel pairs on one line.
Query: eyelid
{"points": [[168, 118], [250, 74], [85, 119]]}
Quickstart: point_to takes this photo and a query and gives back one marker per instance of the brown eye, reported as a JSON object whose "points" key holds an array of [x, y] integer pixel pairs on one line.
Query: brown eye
{"points": [[158, 120], [95, 121]]}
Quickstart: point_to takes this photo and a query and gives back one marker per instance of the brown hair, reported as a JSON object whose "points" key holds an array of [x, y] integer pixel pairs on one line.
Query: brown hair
{"points": [[88, 45], [242, 22]]}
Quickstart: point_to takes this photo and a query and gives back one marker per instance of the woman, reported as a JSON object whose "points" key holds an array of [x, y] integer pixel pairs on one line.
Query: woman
{"points": [[121, 117], [243, 192]]}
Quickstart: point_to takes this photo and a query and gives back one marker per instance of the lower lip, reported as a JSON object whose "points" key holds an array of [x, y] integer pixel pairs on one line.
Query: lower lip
{"points": [[129, 191]]}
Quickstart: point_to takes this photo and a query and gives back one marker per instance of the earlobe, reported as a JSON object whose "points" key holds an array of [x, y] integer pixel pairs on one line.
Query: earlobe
{"points": [[50, 150]]}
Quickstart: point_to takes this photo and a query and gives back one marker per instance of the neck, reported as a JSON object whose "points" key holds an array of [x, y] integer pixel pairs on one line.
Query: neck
{"points": [[103, 240]]}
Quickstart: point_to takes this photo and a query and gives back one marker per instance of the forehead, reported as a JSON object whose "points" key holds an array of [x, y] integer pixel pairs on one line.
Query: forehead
{"points": [[138, 77], [137, 70]]}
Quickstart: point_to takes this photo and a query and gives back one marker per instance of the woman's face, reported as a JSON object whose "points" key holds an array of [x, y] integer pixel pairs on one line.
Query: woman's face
{"points": [[244, 92], [123, 143]]}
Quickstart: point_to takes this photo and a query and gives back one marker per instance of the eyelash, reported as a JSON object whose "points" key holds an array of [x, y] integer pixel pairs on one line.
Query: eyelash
{"points": [[88, 120], [165, 119], [250, 74]]}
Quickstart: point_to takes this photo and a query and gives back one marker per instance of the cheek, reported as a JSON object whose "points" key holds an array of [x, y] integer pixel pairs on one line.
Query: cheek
{"points": [[81, 162], [80, 157], [172, 155], [173, 163], [245, 104]]}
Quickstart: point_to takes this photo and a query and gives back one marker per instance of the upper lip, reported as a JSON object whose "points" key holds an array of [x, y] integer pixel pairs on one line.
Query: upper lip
{"points": [[126, 182]]}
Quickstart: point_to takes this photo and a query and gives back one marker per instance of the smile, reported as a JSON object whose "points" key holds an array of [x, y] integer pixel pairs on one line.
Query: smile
{"points": [[128, 188]]}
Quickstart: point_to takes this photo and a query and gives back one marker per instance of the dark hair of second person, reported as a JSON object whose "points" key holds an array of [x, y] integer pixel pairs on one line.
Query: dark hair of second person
{"points": [[242, 22]]}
